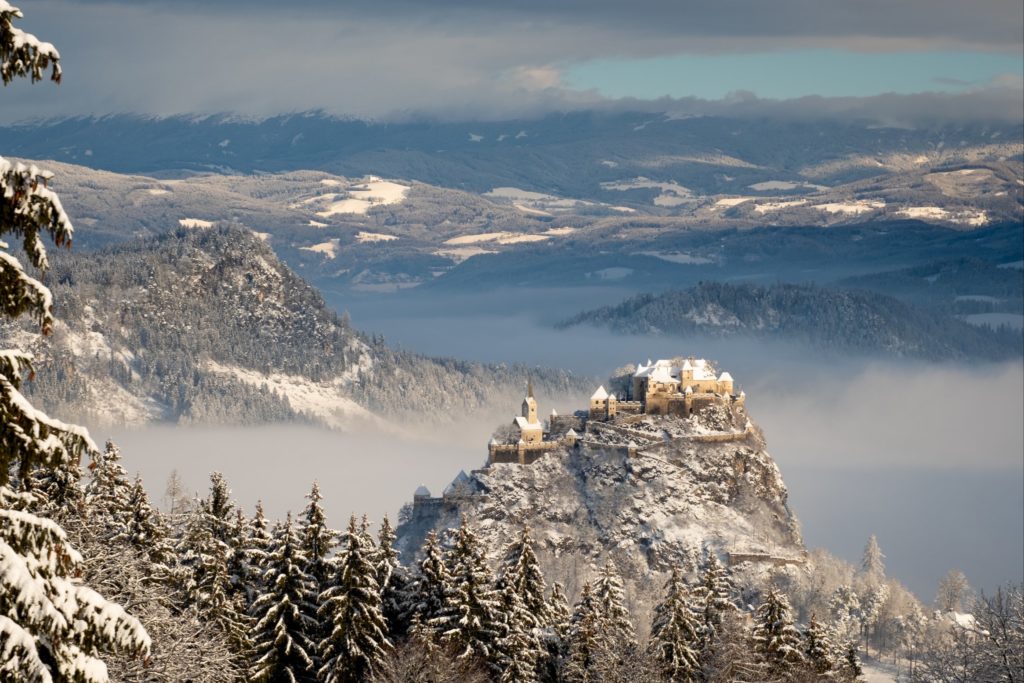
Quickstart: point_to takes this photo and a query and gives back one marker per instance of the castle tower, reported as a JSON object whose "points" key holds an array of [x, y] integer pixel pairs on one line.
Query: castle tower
{"points": [[686, 372], [599, 404], [530, 404], [725, 383]]}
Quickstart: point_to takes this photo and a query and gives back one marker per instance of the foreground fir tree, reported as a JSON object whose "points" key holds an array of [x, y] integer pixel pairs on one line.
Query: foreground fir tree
{"points": [[521, 573], [776, 639], [429, 585], [108, 493], [357, 643], [202, 573], [818, 649], [716, 596], [470, 620], [586, 637], [145, 530], [283, 647], [52, 628], [675, 632], [393, 580], [610, 596], [559, 614], [519, 646], [318, 541]]}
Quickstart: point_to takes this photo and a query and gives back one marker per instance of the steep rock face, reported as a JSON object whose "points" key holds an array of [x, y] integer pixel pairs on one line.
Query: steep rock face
{"points": [[208, 326], [647, 503]]}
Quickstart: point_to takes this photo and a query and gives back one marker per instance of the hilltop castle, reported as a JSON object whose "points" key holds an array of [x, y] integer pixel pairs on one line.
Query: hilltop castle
{"points": [[662, 387]]}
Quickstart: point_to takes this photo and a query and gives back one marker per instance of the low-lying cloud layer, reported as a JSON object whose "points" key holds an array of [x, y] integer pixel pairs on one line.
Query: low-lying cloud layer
{"points": [[456, 59]]}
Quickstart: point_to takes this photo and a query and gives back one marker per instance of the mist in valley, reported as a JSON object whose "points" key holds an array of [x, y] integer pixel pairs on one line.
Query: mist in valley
{"points": [[926, 456]]}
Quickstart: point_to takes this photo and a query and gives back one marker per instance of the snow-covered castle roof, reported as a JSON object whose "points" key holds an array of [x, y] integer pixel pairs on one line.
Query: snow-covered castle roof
{"points": [[600, 394], [422, 491]]}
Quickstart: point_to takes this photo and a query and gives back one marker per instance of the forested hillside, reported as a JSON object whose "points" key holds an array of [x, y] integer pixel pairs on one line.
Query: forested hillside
{"points": [[851, 320], [209, 326]]}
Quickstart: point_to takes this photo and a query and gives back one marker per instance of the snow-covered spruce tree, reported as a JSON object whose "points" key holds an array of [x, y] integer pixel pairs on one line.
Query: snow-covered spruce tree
{"points": [[108, 492], [729, 657], [259, 546], [776, 639], [282, 642], [556, 636], [872, 564], [818, 650], [519, 645], [470, 620], [525, 608], [243, 574], [521, 572], [393, 580], [52, 628], [715, 593], [846, 613], [145, 530], [559, 614], [675, 631], [611, 599], [429, 585], [318, 541], [586, 637], [357, 643], [201, 572]]}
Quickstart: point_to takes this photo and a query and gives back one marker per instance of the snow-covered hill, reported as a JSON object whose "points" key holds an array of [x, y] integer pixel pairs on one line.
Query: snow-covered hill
{"points": [[207, 325]]}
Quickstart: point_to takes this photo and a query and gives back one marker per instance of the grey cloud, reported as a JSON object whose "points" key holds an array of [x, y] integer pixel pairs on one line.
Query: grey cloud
{"points": [[460, 60], [985, 23]]}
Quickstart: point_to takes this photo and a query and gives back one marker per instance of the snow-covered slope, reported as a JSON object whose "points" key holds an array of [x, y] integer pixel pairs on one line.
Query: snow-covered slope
{"points": [[207, 325]]}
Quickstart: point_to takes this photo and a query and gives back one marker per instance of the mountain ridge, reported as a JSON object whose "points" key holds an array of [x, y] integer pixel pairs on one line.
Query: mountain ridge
{"points": [[207, 325]]}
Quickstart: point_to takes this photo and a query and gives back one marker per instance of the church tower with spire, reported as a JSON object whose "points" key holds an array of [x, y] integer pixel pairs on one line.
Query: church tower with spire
{"points": [[530, 404]]}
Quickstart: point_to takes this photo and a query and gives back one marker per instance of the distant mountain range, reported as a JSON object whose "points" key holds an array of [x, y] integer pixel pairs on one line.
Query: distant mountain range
{"points": [[206, 325], [836, 319]]}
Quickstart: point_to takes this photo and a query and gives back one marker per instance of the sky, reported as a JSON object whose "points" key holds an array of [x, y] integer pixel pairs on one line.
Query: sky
{"points": [[491, 60]]}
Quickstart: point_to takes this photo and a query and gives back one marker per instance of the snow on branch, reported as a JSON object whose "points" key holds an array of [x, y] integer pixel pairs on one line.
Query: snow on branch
{"points": [[28, 436], [21, 53]]}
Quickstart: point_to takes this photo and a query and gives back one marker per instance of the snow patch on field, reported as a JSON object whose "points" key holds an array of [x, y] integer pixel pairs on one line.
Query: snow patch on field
{"points": [[365, 237], [768, 207], [854, 207], [783, 185], [460, 254], [560, 232], [514, 193], [970, 217], [157, 191], [194, 223], [623, 209], [533, 212], [317, 224], [328, 248], [676, 257], [497, 238], [727, 202], [672, 194], [324, 400], [361, 197], [263, 236]]}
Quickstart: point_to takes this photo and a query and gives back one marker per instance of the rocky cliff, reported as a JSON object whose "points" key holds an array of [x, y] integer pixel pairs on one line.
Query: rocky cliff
{"points": [[648, 491]]}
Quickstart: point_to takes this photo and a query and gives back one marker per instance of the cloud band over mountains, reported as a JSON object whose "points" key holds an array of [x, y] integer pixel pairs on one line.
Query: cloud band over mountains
{"points": [[460, 59]]}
